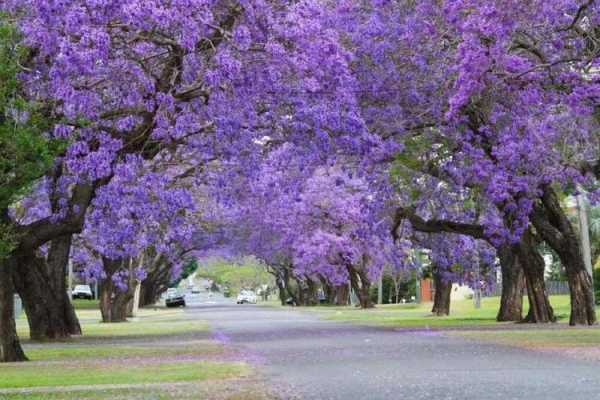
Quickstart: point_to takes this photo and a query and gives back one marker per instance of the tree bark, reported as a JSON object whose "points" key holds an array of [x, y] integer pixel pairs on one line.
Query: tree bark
{"points": [[441, 299], [361, 285], [341, 295], [288, 288], [10, 347], [553, 225], [113, 301], [49, 310], [311, 292], [513, 284], [540, 310], [153, 286], [113, 305]]}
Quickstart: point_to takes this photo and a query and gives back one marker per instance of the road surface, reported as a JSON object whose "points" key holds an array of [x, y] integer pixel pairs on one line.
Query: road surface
{"points": [[304, 357]]}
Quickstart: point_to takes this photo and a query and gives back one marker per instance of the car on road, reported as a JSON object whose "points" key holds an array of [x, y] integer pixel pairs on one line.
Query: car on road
{"points": [[83, 292], [175, 299], [246, 297], [195, 290]]}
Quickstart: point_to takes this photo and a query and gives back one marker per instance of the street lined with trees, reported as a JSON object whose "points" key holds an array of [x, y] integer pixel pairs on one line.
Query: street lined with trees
{"points": [[334, 144]]}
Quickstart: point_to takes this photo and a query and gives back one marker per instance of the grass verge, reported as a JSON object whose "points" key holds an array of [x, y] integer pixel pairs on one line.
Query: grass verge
{"points": [[161, 354], [463, 314], [92, 373]]}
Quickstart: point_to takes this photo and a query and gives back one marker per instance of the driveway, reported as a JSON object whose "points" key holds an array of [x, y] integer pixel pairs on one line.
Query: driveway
{"points": [[305, 357]]}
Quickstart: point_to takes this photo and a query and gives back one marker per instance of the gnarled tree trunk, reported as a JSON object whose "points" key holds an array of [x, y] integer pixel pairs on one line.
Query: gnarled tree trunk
{"points": [[441, 299], [540, 310], [341, 295], [42, 286], [153, 286], [513, 283], [114, 302], [553, 225], [295, 296], [311, 292], [10, 347], [361, 285], [282, 291]]}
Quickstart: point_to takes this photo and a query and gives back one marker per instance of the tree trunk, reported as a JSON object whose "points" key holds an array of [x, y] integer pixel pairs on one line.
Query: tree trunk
{"points": [[328, 291], [341, 295], [302, 293], [582, 302], [441, 300], [151, 289], [134, 305], [49, 311], [114, 302], [540, 310], [106, 292], [361, 285], [553, 225], [513, 283], [397, 291], [282, 291], [10, 347], [58, 261], [113, 305], [311, 293], [156, 282], [288, 288]]}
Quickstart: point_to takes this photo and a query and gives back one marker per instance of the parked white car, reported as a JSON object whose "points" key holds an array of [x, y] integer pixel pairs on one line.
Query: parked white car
{"points": [[246, 297], [83, 292]]}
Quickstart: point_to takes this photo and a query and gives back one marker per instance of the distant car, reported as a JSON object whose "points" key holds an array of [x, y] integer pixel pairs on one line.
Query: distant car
{"points": [[175, 299], [195, 290], [83, 292], [246, 297]]}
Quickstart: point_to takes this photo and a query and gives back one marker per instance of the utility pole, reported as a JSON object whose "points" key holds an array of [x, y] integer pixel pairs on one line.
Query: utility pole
{"points": [[584, 232]]}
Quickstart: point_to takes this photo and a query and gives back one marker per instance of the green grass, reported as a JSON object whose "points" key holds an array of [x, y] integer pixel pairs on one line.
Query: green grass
{"points": [[78, 351], [80, 304], [462, 314], [34, 375], [231, 389], [149, 322], [540, 338], [163, 347]]}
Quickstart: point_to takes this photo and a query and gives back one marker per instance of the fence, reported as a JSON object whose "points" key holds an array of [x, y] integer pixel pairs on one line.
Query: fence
{"points": [[552, 288]]}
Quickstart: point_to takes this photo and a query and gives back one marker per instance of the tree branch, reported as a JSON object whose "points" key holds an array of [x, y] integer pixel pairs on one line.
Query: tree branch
{"points": [[435, 226]]}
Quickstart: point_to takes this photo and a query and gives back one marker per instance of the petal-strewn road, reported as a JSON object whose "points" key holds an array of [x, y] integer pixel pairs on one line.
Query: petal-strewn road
{"points": [[308, 358]]}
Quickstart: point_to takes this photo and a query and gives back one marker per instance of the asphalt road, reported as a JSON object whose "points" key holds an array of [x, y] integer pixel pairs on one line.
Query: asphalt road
{"points": [[304, 357]]}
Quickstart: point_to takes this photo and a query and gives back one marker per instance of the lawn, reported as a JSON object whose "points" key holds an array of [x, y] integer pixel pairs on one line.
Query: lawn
{"points": [[86, 372], [161, 354], [229, 389], [463, 314], [149, 322]]}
